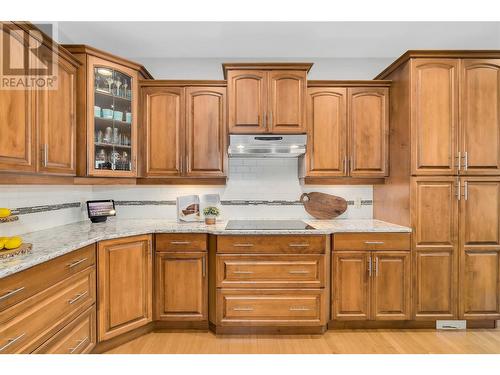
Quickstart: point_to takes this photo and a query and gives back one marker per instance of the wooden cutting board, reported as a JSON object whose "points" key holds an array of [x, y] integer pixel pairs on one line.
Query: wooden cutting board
{"points": [[23, 249], [323, 206], [9, 219]]}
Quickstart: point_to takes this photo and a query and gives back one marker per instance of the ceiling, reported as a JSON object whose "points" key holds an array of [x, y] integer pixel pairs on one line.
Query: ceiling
{"points": [[278, 39]]}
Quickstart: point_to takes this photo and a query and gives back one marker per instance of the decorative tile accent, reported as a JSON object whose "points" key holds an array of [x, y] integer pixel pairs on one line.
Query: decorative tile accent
{"points": [[50, 207], [236, 202], [145, 203]]}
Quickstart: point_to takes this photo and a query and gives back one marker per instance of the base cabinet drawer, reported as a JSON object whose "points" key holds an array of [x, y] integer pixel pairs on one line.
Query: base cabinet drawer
{"points": [[77, 337], [371, 241], [259, 271], [180, 242], [25, 326], [271, 307], [271, 244]]}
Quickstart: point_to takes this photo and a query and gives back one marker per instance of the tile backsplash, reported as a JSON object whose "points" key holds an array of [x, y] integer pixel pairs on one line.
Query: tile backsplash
{"points": [[256, 188]]}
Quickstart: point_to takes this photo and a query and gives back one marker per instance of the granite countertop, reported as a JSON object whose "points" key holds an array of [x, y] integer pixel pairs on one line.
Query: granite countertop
{"points": [[57, 241]]}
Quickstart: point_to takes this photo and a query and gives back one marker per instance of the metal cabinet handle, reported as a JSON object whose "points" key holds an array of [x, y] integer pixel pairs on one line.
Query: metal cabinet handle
{"points": [[271, 119], [458, 194], [80, 342], [299, 308], [370, 266], [376, 266], [242, 309], [76, 263], [344, 166], [466, 190], [243, 272], [180, 242], [298, 244], [203, 266], [11, 293], [298, 272], [45, 155], [12, 341], [243, 244], [264, 120], [466, 161], [459, 157], [374, 242], [77, 297]]}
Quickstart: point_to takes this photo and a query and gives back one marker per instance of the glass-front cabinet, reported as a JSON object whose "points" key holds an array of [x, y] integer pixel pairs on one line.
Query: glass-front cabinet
{"points": [[112, 124]]}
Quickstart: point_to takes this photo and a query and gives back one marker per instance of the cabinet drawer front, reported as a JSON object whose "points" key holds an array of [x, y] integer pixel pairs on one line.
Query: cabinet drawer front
{"points": [[371, 241], [305, 244], [18, 287], [26, 325], [270, 307], [77, 337], [250, 271], [181, 242]]}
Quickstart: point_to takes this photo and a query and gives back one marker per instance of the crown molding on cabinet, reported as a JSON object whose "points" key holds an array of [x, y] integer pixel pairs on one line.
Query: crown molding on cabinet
{"points": [[181, 83], [266, 66], [475, 54], [349, 83]]}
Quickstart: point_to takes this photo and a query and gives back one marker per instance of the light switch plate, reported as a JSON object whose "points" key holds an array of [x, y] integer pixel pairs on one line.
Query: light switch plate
{"points": [[451, 324]]}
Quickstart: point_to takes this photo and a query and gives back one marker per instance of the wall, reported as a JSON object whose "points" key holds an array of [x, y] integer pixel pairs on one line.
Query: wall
{"points": [[256, 188], [211, 68]]}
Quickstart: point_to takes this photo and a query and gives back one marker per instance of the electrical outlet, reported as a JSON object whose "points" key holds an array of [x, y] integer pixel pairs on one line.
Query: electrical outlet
{"points": [[451, 324]]}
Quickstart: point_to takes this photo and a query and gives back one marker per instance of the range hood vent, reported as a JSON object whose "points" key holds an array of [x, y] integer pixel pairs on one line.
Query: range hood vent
{"points": [[267, 146]]}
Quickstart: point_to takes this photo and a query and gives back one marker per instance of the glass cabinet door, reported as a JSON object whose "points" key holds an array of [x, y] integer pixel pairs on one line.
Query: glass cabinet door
{"points": [[113, 121]]}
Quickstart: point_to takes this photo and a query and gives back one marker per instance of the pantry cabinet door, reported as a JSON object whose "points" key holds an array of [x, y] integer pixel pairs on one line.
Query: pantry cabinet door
{"points": [[206, 131], [368, 122], [247, 101], [480, 116], [56, 122], [435, 247], [17, 120], [434, 116], [163, 131], [125, 285], [181, 286], [327, 129], [480, 248], [287, 101], [351, 285], [391, 285]]}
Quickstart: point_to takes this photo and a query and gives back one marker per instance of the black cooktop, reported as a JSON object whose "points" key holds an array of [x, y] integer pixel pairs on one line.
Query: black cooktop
{"points": [[267, 225]]}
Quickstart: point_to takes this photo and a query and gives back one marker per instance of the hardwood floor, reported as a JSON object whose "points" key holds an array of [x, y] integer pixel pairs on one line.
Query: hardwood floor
{"points": [[379, 341]]}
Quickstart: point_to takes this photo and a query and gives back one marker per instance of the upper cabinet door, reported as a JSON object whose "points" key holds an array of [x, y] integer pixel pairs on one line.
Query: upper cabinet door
{"points": [[17, 125], [287, 101], [56, 121], [480, 117], [112, 119], [434, 116], [327, 129], [163, 136], [206, 131], [247, 96], [368, 121], [480, 248]]}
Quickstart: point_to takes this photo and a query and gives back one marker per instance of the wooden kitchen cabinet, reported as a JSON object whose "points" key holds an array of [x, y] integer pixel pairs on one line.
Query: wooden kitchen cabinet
{"points": [[125, 285], [38, 126], [368, 123], [107, 113], [480, 248], [348, 128], [434, 116], [371, 285], [434, 208], [480, 116], [266, 98], [181, 286], [191, 117]]}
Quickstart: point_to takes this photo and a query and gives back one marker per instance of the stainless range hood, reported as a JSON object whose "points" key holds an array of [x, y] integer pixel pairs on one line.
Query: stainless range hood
{"points": [[267, 145]]}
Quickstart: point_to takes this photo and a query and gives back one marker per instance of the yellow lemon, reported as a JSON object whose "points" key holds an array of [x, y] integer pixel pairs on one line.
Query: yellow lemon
{"points": [[4, 212], [3, 240], [13, 243]]}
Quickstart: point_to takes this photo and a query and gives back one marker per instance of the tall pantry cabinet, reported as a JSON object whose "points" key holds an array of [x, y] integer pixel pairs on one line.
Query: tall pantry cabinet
{"points": [[445, 179]]}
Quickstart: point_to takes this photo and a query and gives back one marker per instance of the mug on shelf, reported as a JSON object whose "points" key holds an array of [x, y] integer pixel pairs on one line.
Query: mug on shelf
{"points": [[118, 115], [107, 113], [97, 111]]}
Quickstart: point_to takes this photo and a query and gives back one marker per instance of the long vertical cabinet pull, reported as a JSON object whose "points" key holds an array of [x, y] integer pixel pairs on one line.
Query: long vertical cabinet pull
{"points": [[271, 119], [370, 266], [466, 161], [466, 190], [264, 120], [459, 164], [203, 266], [376, 266], [458, 194]]}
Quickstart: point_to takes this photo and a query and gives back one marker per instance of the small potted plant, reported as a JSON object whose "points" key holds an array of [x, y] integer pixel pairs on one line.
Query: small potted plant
{"points": [[210, 214]]}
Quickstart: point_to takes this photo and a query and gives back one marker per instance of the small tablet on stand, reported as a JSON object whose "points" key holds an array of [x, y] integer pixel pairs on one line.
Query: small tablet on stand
{"points": [[100, 210]]}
